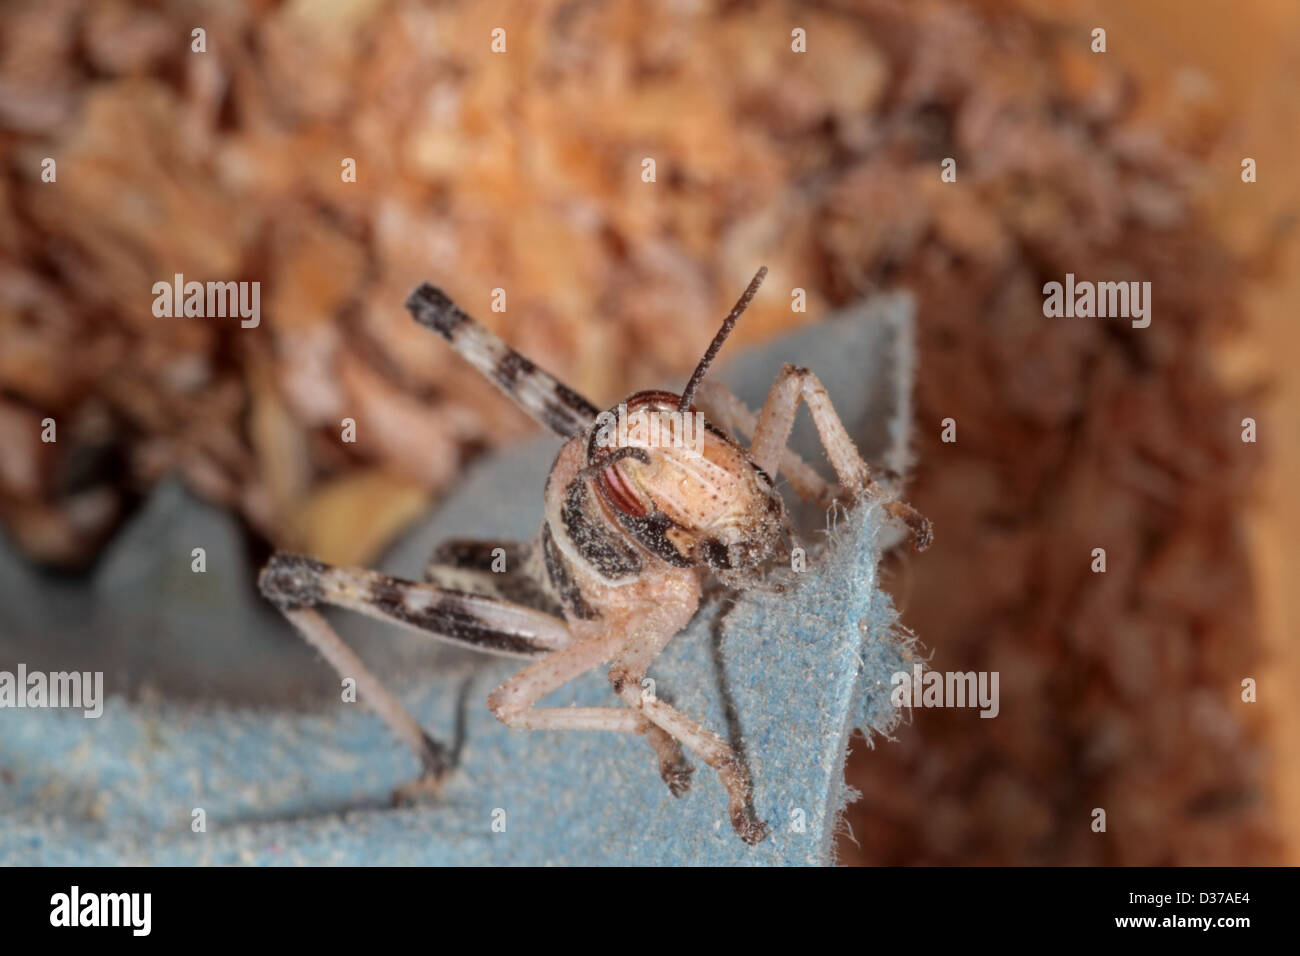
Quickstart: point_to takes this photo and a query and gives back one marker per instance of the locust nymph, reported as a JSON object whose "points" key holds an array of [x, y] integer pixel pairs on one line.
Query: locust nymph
{"points": [[644, 504]]}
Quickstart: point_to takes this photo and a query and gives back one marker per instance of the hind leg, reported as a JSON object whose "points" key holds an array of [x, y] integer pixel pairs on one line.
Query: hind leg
{"points": [[297, 585]]}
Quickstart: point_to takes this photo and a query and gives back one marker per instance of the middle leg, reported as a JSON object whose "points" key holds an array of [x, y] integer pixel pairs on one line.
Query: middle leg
{"points": [[722, 406], [772, 431], [513, 701]]}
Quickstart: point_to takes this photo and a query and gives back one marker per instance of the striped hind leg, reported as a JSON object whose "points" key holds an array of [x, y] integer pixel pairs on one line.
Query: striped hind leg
{"points": [[297, 585], [540, 394], [508, 570]]}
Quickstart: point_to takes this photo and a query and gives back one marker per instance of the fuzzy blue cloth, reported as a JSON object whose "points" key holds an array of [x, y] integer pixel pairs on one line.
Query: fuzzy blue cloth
{"points": [[789, 675]]}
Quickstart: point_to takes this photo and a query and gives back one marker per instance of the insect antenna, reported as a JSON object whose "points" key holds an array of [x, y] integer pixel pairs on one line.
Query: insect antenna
{"points": [[729, 323]]}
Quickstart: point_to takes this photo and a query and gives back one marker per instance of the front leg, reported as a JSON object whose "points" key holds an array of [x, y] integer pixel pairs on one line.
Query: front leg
{"points": [[710, 748], [513, 701], [627, 677], [628, 672], [772, 431]]}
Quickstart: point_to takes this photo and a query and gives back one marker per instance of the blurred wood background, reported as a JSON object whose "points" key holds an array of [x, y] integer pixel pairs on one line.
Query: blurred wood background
{"points": [[1251, 49], [823, 167]]}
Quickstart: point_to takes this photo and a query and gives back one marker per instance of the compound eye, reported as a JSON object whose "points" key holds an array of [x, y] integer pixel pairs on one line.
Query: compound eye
{"points": [[616, 490]]}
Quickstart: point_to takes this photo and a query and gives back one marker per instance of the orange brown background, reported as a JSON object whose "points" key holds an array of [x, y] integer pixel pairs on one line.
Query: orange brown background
{"points": [[523, 172]]}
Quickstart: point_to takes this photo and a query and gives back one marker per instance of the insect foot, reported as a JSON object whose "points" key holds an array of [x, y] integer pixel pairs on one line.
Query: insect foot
{"points": [[920, 526], [741, 800], [922, 532], [677, 774], [429, 784], [437, 764], [750, 829]]}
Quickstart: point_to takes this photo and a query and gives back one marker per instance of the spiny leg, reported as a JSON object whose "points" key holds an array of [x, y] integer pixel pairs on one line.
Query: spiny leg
{"points": [[540, 394], [297, 584], [433, 756], [773, 430], [627, 673], [472, 620], [513, 701], [721, 406], [717, 753], [673, 766]]}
